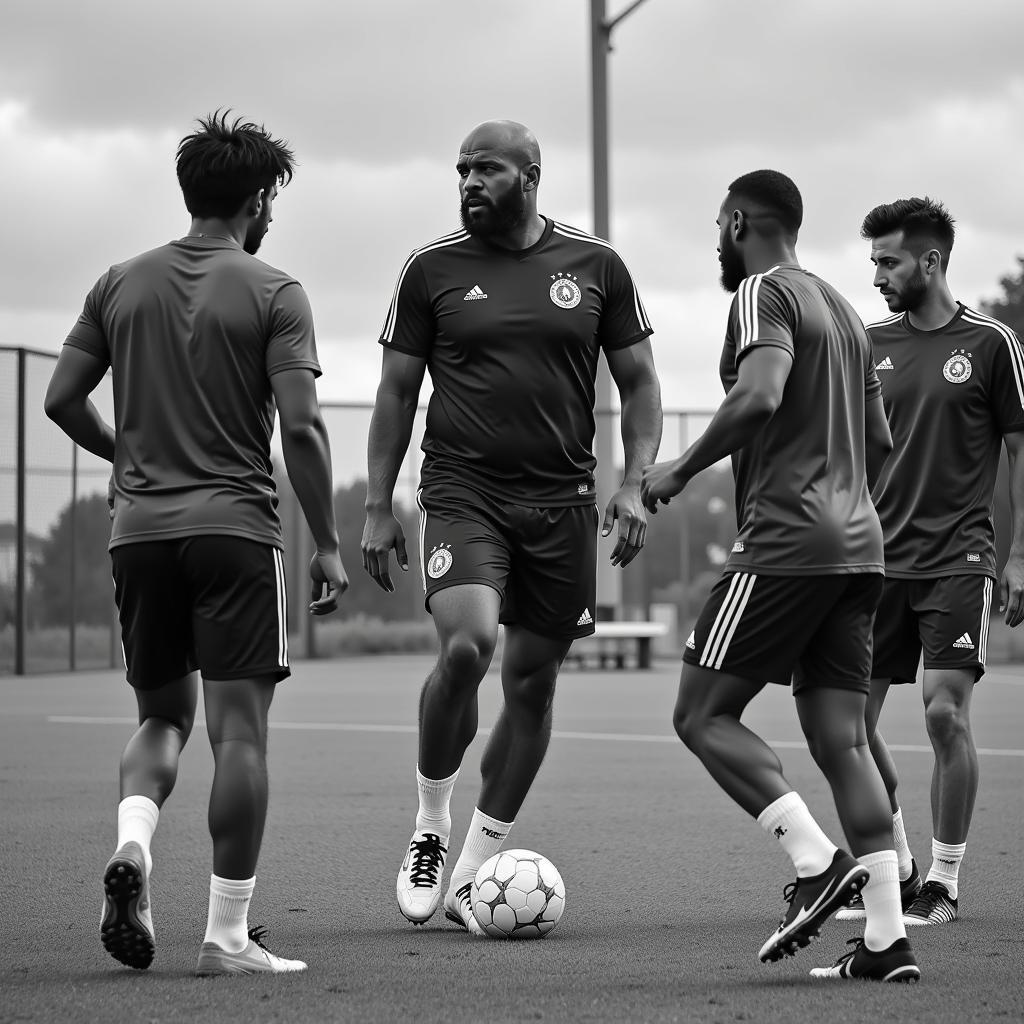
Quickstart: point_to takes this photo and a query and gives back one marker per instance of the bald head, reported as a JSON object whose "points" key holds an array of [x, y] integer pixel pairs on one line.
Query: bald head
{"points": [[509, 139]]}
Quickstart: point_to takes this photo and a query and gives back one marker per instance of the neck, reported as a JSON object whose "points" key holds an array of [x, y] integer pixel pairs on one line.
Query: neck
{"points": [[759, 258], [522, 236], [217, 227], [935, 310]]}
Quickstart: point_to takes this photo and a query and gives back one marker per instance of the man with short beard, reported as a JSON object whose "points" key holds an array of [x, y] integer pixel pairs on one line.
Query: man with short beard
{"points": [[203, 342], [803, 422], [510, 315], [953, 387]]}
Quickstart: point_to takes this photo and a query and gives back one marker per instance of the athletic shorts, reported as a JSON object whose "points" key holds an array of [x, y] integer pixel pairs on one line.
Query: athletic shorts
{"points": [[812, 630], [947, 618], [542, 561], [213, 603]]}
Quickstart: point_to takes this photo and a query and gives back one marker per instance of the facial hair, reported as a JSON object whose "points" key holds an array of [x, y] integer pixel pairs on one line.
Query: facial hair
{"points": [[498, 216], [912, 294], [733, 268]]}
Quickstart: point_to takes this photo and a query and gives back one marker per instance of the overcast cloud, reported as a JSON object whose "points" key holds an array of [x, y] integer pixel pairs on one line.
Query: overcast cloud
{"points": [[860, 103]]}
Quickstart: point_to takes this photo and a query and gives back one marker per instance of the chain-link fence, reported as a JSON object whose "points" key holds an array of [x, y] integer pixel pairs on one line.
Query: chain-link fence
{"points": [[56, 594]]}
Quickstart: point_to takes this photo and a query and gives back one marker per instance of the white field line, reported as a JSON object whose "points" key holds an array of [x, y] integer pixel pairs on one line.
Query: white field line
{"points": [[599, 737]]}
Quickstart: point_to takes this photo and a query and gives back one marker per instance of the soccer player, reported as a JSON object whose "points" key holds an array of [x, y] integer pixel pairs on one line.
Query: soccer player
{"points": [[203, 340], [804, 425], [953, 389], [510, 315]]}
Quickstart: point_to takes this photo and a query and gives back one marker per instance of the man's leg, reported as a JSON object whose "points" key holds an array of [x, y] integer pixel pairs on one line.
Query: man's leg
{"points": [[149, 769], [466, 619], [834, 723], [947, 705], [910, 877], [236, 722], [707, 719], [513, 754]]}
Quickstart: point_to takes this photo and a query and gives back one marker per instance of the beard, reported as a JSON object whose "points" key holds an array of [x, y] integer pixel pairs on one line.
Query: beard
{"points": [[733, 268], [910, 296], [254, 237], [498, 216]]}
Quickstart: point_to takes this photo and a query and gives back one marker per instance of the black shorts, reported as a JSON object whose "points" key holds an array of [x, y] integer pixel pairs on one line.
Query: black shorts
{"points": [[542, 561], [213, 603], [947, 618], [813, 630]]}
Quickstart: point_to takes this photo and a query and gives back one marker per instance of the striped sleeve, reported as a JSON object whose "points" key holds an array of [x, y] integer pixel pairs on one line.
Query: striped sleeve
{"points": [[761, 314], [624, 320], [409, 325], [1006, 372]]}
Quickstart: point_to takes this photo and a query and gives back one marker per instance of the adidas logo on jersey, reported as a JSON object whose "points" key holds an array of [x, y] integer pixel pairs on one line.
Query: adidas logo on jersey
{"points": [[690, 642], [964, 643], [885, 364], [973, 557], [586, 619], [476, 292]]}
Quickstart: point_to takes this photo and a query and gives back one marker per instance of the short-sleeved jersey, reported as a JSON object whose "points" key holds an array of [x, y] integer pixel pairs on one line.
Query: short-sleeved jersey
{"points": [[512, 340], [950, 395], [193, 331], [802, 501]]}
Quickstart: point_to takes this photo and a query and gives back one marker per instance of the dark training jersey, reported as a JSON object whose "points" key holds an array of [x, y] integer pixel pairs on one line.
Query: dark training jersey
{"points": [[512, 340], [950, 395], [193, 331], [802, 501]]}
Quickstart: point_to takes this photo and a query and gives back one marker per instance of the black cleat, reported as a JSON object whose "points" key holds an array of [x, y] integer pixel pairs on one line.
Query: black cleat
{"points": [[812, 901]]}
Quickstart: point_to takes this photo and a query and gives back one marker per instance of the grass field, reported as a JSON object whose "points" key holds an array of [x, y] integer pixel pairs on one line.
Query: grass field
{"points": [[671, 889]]}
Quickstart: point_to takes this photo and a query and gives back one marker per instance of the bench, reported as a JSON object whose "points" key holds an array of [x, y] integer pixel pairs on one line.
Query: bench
{"points": [[611, 641]]}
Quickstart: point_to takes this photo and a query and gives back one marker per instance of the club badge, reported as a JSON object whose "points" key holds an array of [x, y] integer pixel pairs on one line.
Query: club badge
{"points": [[564, 291], [439, 561], [957, 368]]}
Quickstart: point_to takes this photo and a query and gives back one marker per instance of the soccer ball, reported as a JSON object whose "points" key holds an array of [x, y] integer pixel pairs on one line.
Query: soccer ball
{"points": [[518, 894]]}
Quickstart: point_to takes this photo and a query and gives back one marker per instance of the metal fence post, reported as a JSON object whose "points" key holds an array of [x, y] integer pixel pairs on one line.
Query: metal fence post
{"points": [[73, 559], [19, 519]]}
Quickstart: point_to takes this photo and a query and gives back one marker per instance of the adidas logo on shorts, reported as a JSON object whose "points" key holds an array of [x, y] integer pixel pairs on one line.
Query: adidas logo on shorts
{"points": [[586, 619], [964, 643]]}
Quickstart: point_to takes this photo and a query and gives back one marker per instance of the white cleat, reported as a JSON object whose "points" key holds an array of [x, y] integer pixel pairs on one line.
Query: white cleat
{"points": [[126, 927], [419, 879], [458, 907], [254, 959]]}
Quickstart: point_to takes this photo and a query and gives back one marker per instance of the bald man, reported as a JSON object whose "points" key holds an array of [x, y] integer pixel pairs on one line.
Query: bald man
{"points": [[510, 315]]}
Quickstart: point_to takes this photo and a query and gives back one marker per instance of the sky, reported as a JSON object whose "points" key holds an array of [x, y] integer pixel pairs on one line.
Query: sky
{"points": [[860, 103]]}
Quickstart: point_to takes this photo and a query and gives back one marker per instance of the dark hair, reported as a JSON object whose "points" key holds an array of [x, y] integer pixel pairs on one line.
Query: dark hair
{"points": [[775, 193], [925, 223], [221, 164]]}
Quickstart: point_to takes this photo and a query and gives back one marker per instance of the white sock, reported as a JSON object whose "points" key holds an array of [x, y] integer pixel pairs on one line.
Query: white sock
{"points": [[227, 921], [882, 907], [136, 822], [483, 840], [946, 859], [899, 838], [789, 821], [435, 797]]}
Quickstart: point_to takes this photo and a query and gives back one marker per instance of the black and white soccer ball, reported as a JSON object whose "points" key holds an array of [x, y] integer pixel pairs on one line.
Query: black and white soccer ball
{"points": [[518, 894]]}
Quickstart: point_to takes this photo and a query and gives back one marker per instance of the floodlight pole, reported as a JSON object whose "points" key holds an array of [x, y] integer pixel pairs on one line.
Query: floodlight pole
{"points": [[609, 582]]}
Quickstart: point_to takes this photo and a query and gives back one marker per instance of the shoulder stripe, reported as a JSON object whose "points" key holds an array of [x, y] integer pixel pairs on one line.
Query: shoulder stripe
{"points": [[454, 238], [583, 236], [1011, 341], [747, 305], [888, 320]]}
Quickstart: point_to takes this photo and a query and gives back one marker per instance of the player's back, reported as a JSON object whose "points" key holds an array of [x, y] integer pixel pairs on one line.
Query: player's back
{"points": [[187, 326], [802, 492]]}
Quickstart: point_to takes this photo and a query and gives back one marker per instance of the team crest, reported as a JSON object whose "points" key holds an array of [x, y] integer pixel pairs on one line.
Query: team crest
{"points": [[440, 561], [564, 291], [957, 368]]}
